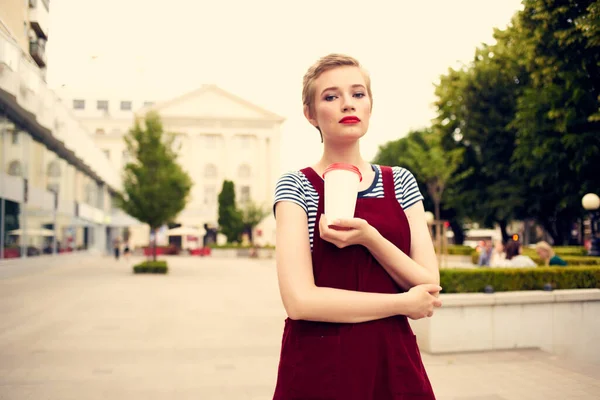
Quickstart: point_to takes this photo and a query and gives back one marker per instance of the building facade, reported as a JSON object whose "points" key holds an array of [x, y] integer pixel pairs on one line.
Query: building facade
{"points": [[219, 135], [56, 186]]}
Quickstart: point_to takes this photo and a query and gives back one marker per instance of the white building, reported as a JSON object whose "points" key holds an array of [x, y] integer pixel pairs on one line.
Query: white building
{"points": [[56, 186], [221, 136]]}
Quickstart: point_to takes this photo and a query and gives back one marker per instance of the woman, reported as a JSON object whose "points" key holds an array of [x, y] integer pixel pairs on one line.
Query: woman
{"points": [[546, 253], [498, 254], [514, 258], [117, 247], [126, 250], [348, 286]]}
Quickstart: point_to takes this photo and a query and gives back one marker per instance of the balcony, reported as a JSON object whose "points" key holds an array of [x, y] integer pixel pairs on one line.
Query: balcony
{"points": [[25, 92], [38, 52], [39, 17]]}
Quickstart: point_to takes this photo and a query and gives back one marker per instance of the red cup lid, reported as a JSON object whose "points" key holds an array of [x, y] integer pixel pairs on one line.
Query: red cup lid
{"points": [[347, 167]]}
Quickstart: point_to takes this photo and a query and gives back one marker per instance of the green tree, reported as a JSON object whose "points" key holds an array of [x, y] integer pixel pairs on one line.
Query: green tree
{"points": [[476, 105], [436, 166], [558, 120], [252, 215], [230, 217], [422, 154], [396, 153], [155, 187]]}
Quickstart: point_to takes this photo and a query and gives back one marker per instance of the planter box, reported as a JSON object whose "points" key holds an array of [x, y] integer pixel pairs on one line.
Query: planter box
{"points": [[563, 322], [224, 253], [245, 252]]}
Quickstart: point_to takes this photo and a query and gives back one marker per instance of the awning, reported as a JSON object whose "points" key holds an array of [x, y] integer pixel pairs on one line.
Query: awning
{"points": [[186, 231], [32, 232], [120, 219]]}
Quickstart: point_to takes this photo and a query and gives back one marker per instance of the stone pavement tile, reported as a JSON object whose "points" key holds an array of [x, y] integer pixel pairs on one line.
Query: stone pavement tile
{"points": [[210, 329], [518, 375]]}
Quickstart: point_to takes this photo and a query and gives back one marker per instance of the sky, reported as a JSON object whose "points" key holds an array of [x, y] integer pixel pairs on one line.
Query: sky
{"points": [[260, 50]]}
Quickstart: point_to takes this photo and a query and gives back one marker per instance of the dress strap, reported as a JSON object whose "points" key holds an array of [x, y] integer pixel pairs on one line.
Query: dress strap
{"points": [[315, 180], [389, 189]]}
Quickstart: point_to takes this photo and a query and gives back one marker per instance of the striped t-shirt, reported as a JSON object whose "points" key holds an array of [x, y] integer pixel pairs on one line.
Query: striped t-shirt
{"points": [[295, 187]]}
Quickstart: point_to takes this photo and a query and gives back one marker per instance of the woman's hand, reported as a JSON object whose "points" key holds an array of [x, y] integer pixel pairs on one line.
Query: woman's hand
{"points": [[346, 232], [424, 299]]}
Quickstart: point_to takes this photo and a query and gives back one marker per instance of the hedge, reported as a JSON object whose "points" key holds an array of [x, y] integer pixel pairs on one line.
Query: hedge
{"points": [[571, 260], [151, 267], [457, 249], [238, 246], [457, 280]]}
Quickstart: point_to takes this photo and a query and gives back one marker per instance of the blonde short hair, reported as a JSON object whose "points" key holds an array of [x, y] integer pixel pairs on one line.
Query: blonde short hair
{"points": [[542, 245], [325, 64]]}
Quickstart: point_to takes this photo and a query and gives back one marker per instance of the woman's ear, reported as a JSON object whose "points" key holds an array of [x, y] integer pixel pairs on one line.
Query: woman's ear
{"points": [[309, 116]]}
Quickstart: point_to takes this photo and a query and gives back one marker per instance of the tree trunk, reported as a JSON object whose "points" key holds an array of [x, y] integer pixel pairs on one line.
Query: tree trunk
{"points": [[558, 229], [503, 225], [250, 237], [436, 205], [154, 245], [459, 234]]}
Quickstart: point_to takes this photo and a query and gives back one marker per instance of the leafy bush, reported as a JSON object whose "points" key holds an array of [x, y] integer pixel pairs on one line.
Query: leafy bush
{"points": [[151, 267], [572, 261], [456, 280], [238, 246], [561, 251], [457, 249]]}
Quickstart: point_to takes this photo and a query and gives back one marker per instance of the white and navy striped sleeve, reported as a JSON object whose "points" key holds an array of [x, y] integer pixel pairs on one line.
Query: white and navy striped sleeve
{"points": [[407, 189], [290, 188]]}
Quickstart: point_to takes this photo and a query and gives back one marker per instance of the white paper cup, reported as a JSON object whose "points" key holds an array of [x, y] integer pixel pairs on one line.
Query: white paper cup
{"points": [[341, 190]]}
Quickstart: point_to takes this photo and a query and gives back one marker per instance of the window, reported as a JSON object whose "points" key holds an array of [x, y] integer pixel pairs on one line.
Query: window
{"points": [[210, 171], [210, 195], [126, 105], [15, 137], [244, 194], [15, 169], [125, 156], [106, 153], [100, 131], [102, 105], [148, 103], [53, 169], [79, 104], [244, 171]]}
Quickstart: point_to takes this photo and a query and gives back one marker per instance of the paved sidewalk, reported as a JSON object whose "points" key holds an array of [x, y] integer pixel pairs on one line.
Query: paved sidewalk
{"points": [[87, 328]]}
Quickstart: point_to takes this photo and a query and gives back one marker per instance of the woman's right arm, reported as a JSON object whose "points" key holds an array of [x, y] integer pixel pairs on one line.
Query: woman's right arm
{"points": [[303, 300]]}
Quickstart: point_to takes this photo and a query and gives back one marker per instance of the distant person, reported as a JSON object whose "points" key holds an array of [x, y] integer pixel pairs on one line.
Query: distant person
{"points": [[514, 258], [126, 250], [485, 255], [498, 254], [117, 248], [546, 253]]}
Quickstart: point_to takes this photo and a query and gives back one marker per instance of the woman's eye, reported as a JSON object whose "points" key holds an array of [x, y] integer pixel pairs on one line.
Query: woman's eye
{"points": [[359, 95], [330, 97]]}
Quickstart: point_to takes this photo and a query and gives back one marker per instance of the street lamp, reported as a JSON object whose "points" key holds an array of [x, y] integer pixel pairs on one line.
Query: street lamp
{"points": [[591, 202], [429, 217]]}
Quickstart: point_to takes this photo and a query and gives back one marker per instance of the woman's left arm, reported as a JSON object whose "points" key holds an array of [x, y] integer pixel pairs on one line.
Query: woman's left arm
{"points": [[422, 266]]}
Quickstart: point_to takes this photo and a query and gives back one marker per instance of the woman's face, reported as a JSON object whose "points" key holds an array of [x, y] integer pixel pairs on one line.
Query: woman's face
{"points": [[342, 107]]}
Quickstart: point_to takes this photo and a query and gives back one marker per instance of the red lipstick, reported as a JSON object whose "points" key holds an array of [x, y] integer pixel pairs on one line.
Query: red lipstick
{"points": [[350, 120]]}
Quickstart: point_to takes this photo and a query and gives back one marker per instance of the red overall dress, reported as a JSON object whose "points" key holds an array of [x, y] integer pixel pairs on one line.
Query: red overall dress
{"points": [[375, 360]]}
